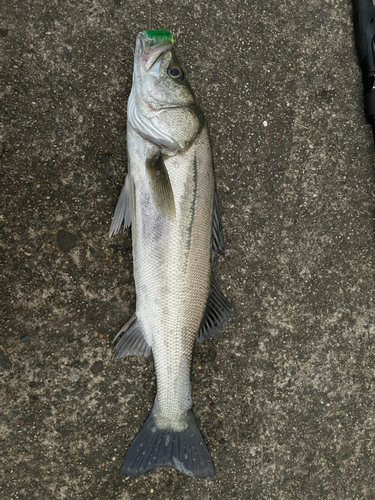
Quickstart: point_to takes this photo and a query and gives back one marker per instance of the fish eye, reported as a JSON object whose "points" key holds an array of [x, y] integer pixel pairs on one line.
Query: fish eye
{"points": [[176, 73]]}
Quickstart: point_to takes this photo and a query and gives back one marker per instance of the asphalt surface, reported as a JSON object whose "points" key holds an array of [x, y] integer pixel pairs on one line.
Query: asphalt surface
{"points": [[285, 395]]}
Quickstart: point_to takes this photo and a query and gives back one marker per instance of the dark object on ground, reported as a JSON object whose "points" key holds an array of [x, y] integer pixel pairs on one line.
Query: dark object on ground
{"points": [[364, 29]]}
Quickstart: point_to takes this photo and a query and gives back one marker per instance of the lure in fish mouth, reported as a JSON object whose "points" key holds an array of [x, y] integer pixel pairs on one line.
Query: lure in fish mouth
{"points": [[151, 44], [169, 198]]}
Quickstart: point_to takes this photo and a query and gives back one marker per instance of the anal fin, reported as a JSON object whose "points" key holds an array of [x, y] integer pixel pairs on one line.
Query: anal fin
{"points": [[133, 342], [216, 314]]}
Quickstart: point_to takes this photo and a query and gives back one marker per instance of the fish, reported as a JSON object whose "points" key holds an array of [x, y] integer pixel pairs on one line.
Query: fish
{"points": [[169, 199]]}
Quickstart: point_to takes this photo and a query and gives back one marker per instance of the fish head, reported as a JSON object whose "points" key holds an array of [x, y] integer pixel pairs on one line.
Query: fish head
{"points": [[162, 107]]}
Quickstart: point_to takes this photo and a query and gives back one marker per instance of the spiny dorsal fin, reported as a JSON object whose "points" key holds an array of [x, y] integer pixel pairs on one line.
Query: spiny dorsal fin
{"points": [[160, 185], [217, 244], [217, 313]]}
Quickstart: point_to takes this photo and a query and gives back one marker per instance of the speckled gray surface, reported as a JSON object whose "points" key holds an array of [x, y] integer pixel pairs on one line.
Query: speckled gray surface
{"points": [[285, 395]]}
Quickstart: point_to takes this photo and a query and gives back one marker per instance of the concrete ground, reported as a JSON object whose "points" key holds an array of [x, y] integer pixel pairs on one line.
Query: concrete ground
{"points": [[285, 395]]}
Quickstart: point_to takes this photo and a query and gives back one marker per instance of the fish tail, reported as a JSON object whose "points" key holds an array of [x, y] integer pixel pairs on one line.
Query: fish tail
{"points": [[184, 450]]}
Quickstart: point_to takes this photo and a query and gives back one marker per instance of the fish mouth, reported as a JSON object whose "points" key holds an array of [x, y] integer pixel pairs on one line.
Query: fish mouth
{"points": [[153, 43]]}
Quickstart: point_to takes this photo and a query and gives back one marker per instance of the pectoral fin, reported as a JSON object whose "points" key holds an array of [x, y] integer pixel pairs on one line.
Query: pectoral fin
{"points": [[160, 185]]}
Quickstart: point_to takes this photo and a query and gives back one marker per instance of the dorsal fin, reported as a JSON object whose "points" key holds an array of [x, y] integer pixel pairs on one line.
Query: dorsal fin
{"points": [[217, 244], [216, 314]]}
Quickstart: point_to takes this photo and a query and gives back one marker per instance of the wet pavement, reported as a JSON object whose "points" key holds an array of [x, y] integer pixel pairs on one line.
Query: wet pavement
{"points": [[284, 396]]}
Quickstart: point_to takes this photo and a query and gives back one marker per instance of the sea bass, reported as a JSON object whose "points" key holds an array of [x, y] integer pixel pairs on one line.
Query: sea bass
{"points": [[170, 200]]}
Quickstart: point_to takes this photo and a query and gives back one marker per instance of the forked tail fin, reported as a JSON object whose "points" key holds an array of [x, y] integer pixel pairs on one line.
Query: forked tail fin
{"points": [[184, 451]]}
